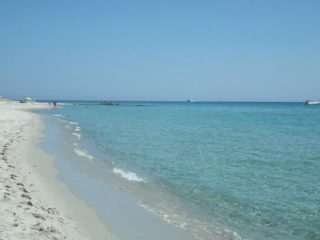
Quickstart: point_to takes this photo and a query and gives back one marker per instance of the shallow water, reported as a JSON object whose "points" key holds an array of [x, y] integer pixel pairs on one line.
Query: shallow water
{"points": [[224, 170], [119, 209]]}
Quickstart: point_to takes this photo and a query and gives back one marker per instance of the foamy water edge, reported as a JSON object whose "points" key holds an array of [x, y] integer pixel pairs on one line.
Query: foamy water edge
{"points": [[131, 176]]}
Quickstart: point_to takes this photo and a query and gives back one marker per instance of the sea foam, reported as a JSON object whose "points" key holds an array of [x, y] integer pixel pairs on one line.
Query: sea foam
{"points": [[128, 175], [82, 153], [78, 135]]}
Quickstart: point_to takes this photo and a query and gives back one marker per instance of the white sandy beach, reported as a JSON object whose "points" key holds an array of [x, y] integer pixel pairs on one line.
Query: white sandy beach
{"points": [[34, 203]]}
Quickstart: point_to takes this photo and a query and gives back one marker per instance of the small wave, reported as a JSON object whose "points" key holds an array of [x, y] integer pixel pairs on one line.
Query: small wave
{"points": [[74, 123], [78, 129], [57, 115], [75, 144], [78, 135], [128, 175], [82, 153]]}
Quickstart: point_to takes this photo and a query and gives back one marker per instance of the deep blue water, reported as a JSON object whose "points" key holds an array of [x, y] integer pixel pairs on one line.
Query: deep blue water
{"points": [[232, 170]]}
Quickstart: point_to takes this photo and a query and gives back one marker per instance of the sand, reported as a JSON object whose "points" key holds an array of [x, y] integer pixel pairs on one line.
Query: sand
{"points": [[34, 204]]}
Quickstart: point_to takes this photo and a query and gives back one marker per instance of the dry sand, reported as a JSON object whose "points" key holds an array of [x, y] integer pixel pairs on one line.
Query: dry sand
{"points": [[34, 204]]}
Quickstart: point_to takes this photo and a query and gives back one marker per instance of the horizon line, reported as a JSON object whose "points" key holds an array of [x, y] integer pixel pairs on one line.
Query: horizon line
{"points": [[194, 101]]}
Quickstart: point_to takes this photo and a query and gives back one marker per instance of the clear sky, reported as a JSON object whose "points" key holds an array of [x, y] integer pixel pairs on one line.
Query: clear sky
{"points": [[257, 50]]}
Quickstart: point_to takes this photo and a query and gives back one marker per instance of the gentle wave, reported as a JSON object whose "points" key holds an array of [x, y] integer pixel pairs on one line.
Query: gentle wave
{"points": [[78, 135], [82, 153], [128, 175], [78, 129], [74, 123], [57, 115]]}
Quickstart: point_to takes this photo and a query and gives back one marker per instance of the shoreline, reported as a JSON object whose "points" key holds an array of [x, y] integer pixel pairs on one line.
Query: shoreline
{"points": [[92, 179], [35, 204]]}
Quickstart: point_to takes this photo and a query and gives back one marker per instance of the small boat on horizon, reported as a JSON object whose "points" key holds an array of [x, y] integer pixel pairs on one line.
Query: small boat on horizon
{"points": [[107, 103], [190, 100], [311, 102]]}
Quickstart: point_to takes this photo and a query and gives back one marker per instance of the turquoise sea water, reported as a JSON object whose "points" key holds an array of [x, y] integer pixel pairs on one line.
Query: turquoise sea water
{"points": [[224, 170]]}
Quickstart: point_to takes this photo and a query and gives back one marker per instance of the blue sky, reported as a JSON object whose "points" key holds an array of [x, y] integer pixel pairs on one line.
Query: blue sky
{"points": [[161, 50]]}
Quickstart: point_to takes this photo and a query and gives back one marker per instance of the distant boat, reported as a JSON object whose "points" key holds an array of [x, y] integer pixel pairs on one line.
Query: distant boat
{"points": [[310, 102], [190, 100], [108, 103]]}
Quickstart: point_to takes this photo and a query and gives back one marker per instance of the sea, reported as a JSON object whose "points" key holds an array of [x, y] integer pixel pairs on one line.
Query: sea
{"points": [[199, 170]]}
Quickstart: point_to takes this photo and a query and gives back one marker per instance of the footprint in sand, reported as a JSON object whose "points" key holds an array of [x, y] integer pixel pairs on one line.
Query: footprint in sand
{"points": [[12, 176], [29, 203], [38, 215], [6, 198], [25, 196]]}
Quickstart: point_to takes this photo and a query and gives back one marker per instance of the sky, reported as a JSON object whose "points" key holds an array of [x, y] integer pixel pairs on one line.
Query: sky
{"points": [[211, 50]]}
